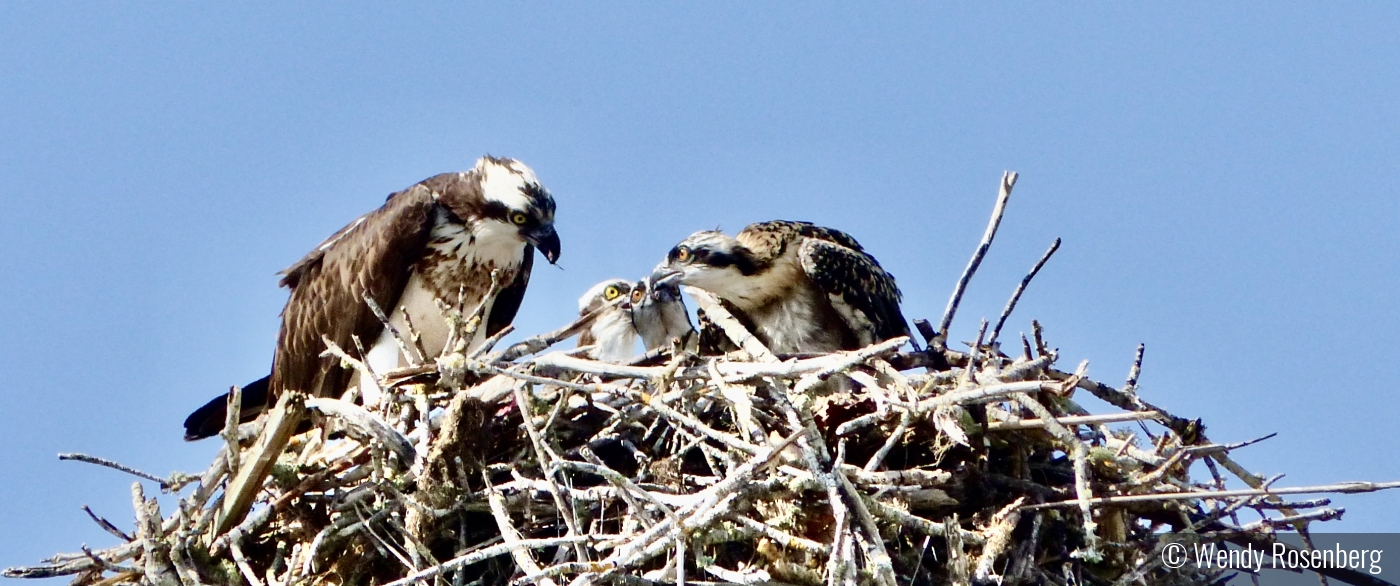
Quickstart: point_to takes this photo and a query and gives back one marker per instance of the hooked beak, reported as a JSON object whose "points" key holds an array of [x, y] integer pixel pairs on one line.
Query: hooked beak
{"points": [[667, 289], [547, 240], [662, 276]]}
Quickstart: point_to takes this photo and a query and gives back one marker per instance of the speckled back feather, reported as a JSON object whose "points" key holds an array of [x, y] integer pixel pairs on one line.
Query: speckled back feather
{"points": [[838, 265]]}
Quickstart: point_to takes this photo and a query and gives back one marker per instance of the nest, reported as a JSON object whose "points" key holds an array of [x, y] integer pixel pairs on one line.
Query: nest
{"points": [[882, 466]]}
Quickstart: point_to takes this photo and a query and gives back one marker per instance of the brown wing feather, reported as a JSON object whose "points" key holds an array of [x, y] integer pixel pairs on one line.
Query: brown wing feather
{"points": [[372, 256], [768, 240], [855, 278]]}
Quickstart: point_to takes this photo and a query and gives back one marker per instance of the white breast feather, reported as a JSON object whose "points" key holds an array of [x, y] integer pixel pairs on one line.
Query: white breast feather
{"points": [[496, 245], [657, 322], [616, 339]]}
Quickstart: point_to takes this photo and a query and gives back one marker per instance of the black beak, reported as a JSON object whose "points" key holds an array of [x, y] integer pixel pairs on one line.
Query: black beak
{"points": [[547, 240], [662, 276]]}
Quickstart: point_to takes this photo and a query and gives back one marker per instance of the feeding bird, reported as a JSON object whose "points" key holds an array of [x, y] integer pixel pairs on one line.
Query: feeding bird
{"points": [[628, 310], [436, 242], [798, 287], [659, 314]]}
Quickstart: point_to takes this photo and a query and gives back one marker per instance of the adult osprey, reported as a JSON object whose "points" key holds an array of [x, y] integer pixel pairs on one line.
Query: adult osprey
{"points": [[798, 286], [437, 241], [628, 311]]}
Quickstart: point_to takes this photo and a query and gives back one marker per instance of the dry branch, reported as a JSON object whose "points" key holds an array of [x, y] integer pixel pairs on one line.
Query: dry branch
{"points": [[516, 467], [1008, 181]]}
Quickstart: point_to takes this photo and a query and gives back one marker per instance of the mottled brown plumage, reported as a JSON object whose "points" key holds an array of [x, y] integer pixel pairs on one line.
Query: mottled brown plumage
{"points": [[800, 287], [438, 240]]}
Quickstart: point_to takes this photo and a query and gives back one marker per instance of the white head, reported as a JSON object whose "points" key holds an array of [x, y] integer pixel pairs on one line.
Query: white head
{"points": [[506, 181], [611, 333], [609, 292], [511, 195], [659, 314]]}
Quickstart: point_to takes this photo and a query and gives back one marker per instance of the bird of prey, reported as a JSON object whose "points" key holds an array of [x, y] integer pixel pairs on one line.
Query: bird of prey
{"points": [[434, 244], [799, 287], [612, 334], [659, 314], [628, 310]]}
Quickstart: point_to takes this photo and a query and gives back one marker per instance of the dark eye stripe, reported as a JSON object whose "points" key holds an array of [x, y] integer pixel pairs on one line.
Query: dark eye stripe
{"points": [[724, 259]]}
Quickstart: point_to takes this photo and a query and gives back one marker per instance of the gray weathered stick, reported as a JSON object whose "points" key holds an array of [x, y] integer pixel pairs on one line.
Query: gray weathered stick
{"points": [[1008, 181], [113, 465], [238, 497], [736, 331], [367, 425], [1343, 488], [1020, 289]]}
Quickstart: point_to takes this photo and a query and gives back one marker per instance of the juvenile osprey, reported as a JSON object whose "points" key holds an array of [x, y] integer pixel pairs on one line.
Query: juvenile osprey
{"points": [[659, 314], [799, 287], [631, 310], [612, 334], [436, 241]]}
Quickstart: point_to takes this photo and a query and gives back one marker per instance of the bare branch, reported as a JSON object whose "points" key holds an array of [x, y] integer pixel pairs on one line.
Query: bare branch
{"points": [[1016, 295], [1008, 181]]}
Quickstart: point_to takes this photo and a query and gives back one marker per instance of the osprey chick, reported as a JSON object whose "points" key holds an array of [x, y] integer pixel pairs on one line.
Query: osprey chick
{"points": [[799, 287], [437, 241], [630, 310], [612, 334], [659, 314]]}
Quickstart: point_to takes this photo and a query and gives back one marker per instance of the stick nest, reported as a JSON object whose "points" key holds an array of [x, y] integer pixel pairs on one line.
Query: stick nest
{"points": [[875, 466]]}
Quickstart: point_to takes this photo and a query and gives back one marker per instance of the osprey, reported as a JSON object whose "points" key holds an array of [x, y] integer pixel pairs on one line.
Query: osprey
{"points": [[799, 287], [628, 311], [659, 314], [612, 334], [432, 245]]}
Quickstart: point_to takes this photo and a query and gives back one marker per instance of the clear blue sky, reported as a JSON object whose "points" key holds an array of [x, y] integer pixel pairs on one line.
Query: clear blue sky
{"points": [[1223, 178]]}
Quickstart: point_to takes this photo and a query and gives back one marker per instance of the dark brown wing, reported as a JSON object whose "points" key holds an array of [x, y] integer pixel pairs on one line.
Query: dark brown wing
{"points": [[841, 268], [508, 300], [852, 277], [372, 256], [208, 420], [832, 235]]}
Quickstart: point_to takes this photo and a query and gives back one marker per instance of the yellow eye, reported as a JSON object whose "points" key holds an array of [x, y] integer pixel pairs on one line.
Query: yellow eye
{"points": [[519, 218], [611, 293], [683, 254]]}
